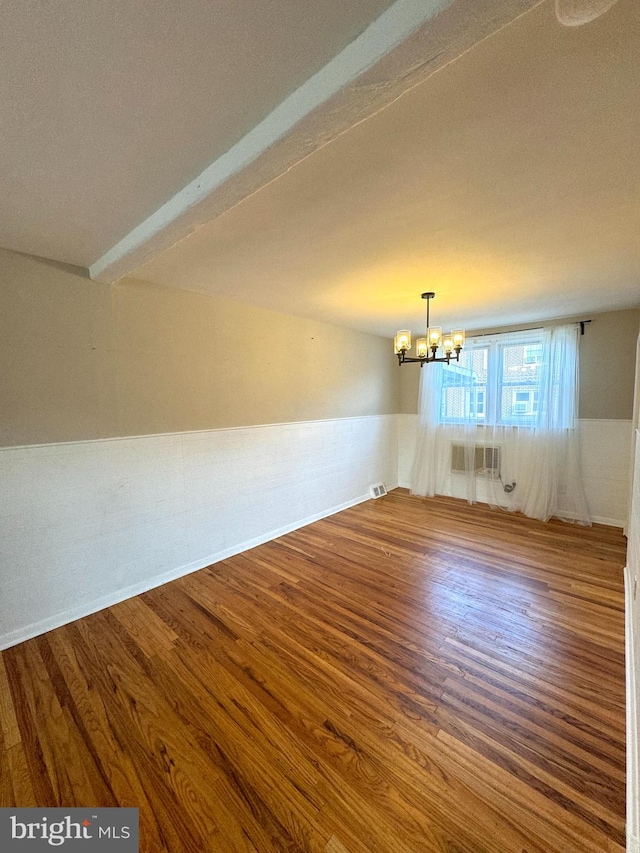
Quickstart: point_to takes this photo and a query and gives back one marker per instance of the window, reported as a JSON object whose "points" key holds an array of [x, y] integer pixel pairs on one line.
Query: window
{"points": [[464, 387], [524, 402], [494, 383], [532, 354]]}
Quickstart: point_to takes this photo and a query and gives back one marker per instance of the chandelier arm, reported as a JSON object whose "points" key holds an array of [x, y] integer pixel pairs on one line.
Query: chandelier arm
{"points": [[405, 359]]}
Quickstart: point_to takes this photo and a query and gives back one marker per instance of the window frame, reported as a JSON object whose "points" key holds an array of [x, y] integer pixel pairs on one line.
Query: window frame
{"points": [[495, 387], [469, 404]]}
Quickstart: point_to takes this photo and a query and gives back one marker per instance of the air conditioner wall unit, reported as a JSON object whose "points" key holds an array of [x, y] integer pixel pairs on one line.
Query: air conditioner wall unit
{"points": [[484, 459]]}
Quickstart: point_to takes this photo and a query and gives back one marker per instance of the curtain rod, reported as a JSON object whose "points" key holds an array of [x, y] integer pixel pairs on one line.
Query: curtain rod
{"points": [[580, 323]]}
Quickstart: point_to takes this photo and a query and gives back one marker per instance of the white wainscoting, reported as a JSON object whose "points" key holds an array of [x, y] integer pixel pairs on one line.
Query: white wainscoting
{"points": [[86, 524], [605, 452], [605, 449]]}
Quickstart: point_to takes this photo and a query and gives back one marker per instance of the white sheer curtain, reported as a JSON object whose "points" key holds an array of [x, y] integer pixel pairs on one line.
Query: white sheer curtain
{"points": [[500, 426]]}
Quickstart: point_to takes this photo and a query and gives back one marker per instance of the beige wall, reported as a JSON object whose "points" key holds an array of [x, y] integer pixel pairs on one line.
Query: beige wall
{"points": [[82, 360], [607, 365]]}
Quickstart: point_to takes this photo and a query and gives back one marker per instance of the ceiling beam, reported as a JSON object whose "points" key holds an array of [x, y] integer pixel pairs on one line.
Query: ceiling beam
{"points": [[404, 46]]}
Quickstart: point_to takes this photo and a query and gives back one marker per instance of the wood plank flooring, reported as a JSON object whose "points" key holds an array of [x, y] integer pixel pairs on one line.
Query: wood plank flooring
{"points": [[408, 675]]}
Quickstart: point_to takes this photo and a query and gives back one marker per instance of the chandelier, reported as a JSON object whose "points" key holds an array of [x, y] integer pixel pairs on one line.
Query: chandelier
{"points": [[427, 348]]}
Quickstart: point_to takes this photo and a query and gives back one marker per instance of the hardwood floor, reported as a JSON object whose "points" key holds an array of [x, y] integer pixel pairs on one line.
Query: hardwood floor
{"points": [[407, 675]]}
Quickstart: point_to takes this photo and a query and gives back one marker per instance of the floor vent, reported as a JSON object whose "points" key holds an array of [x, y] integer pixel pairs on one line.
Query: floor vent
{"points": [[378, 491]]}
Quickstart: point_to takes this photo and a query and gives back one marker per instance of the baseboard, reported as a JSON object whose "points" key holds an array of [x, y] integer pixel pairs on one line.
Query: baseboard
{"points": [[596, 519], [13, 638], [609, 522], [633, 754]]}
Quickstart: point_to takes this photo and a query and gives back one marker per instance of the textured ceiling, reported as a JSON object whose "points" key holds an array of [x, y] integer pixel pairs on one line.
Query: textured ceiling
{"points": [[110, 108], [508, 182], [330, 159]]}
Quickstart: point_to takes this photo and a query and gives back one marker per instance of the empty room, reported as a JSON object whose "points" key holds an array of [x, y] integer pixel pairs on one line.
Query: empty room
{"points": [[319, 434]]}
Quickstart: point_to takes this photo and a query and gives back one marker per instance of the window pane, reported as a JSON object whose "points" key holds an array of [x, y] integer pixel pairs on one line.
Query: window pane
{"points": [[520, 379], [464, 387]]}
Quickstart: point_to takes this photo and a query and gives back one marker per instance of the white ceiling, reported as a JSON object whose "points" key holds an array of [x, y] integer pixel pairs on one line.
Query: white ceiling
{"points": [[508, 181], [109, 108]]}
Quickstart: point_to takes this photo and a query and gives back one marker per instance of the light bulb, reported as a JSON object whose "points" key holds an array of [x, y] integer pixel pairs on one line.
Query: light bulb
{"points": [[435, 336], [403, 341], [458, 338]]}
